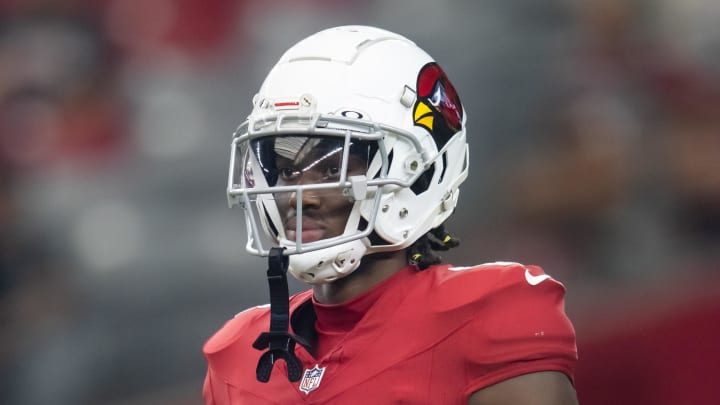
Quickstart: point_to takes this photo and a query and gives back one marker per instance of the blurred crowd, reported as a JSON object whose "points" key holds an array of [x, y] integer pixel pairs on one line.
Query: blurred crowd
{"points": [[594, 128]]}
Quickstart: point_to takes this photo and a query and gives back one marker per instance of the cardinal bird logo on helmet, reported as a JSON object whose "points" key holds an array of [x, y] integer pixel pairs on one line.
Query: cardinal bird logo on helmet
{"points": [[438, 108]]}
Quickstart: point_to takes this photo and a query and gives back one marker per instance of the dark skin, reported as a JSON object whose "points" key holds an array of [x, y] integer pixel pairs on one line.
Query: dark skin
{"points": [[540, 388], [327, 213]]}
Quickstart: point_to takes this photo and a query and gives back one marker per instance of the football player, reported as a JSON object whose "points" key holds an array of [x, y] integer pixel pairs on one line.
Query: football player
{"points": [[346, 169]]}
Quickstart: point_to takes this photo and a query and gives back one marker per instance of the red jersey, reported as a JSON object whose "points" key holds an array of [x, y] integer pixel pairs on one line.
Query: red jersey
{"points": [[431, 337]]}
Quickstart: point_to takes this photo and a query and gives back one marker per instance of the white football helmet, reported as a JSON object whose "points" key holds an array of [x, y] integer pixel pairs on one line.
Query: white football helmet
{"points": [[380, 122]]}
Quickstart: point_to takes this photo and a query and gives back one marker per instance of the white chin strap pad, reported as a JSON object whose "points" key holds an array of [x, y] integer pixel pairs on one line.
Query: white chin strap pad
{"points": [[329, 264]]}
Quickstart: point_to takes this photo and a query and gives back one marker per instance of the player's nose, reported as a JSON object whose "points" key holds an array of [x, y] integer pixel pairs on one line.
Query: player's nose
{"points": [[308, 198]]}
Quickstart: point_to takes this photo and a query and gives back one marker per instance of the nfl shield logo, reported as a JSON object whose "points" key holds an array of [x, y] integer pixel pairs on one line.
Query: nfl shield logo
{"points": [[311, 379]]}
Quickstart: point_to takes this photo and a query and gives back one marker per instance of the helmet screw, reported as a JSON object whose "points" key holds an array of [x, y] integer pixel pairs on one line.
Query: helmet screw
{"points": [[385, 208], [405, 234], [414, 165], [403, 213], [306, 100]]}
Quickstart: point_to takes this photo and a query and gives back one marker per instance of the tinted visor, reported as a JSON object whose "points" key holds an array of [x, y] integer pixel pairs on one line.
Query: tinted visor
{"points": [[295, 160]]}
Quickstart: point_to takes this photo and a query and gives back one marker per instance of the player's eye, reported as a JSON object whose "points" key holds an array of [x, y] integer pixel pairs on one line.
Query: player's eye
{"points": [[332, 171], [288, 174]]}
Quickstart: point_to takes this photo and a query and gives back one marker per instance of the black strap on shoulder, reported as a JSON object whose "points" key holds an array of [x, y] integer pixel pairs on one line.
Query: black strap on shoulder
{"points": [[279, 341]]}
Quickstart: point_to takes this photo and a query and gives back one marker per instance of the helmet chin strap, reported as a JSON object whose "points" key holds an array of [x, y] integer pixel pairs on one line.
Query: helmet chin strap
{"points": [[279, 341]]}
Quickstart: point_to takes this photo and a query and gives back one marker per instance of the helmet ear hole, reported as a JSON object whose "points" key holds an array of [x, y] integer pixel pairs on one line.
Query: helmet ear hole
{"points": [[423, 182]]}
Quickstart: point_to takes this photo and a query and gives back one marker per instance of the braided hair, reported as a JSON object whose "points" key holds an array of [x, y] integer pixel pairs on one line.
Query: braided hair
{"points": [[423, 254]]}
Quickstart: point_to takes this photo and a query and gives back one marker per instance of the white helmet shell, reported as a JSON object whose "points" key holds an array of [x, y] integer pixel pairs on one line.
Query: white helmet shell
{"points": [[367, 84]]}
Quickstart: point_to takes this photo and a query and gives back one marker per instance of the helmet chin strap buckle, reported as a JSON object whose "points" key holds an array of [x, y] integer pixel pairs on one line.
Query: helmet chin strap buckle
{"points": [[279, 342]]}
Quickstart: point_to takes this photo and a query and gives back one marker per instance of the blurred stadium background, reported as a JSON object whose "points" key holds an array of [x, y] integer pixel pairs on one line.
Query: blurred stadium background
{"points": [[595, 151]]}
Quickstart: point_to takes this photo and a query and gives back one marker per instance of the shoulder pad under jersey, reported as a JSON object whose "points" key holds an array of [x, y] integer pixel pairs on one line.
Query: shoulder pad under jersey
{"points": [[468, 287]]}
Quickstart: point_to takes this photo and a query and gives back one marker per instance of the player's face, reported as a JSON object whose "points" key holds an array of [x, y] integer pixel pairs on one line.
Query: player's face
{"points": [[324, 212]]}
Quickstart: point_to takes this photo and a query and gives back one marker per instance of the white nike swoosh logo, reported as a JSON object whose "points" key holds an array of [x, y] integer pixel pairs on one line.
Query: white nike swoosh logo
{"points": [[535, 280]]}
